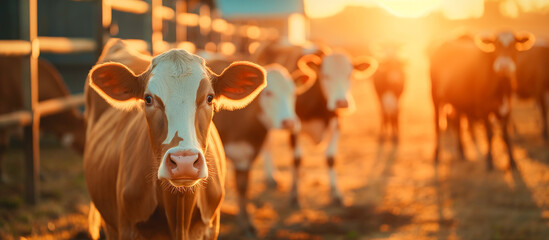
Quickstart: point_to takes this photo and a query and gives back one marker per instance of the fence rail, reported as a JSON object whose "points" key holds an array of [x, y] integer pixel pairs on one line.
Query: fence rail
{"points": [[29, 47]]}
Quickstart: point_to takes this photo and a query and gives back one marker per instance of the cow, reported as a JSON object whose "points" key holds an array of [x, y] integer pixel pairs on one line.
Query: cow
{"points": [[473, 75], [153, 162], [243, 139], [319, 107], [389, 81], [533, 79], [68, 126]]}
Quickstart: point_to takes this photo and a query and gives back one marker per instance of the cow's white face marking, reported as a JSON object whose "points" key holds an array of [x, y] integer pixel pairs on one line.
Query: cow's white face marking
{"points": [[506, 39], [504, 64], [336, 78], [277, 100], [175, 79]]}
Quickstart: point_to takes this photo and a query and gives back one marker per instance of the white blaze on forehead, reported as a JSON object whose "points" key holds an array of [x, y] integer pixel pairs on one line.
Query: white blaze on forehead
{"points": [[176, 76], [277, 100], [336, 77], [506, 38], [504, 63]]}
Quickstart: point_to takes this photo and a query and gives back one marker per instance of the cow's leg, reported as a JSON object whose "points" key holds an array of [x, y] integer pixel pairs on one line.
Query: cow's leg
{"points": [[297, 163], [330, 157], [241, 155], [543, 102], [460, 137], [437, 134], [242, 177], [268, 163], [507, 140], [395, 119], [383, 125], [489, 135]]}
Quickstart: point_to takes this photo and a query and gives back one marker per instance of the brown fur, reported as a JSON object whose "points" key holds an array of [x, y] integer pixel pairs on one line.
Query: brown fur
{"points": [[533, 79], [463, 76], [125, 147]]}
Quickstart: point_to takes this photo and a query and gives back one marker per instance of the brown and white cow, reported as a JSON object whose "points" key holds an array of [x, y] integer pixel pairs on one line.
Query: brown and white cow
{"points": [[68, 125], [389, 83], [244, 132], [154, 163], [473, 76], [533, 79], [320, 106]]}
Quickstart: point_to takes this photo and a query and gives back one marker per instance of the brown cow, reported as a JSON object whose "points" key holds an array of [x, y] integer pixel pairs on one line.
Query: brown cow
{"points": [[533, 79], [67, 125], [389, 83], [474, 77], [154, 164], [243, 139]]}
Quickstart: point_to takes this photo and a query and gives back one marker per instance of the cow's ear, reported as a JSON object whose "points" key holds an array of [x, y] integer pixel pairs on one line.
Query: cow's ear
{"points": [[524, 41], [117, 84], [365, 66], [238, 85], [486, 43], [302, 81]]}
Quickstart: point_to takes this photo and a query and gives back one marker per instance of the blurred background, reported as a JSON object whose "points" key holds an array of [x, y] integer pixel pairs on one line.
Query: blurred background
{"points": [[389, 192]]}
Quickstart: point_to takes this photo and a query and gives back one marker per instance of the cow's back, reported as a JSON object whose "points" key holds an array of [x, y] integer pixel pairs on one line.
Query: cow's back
{"points": [[533, 72], [461, 74]]}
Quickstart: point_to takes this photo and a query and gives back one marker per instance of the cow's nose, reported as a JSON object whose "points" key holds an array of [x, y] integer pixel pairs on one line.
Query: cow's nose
{"points": [[288, 124], [342, 103], [185, 165]]}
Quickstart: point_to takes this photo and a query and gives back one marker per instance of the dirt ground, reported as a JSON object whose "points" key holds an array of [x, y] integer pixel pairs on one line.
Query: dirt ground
{"points": [[390, 192]]}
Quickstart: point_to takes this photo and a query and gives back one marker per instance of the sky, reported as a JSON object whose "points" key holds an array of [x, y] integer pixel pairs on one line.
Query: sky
{"points": [[452, 9]]}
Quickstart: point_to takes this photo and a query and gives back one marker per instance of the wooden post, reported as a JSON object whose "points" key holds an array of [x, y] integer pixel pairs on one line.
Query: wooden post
{"points": [[180, 30], [28, 14], [156, 25], [103, 18]]}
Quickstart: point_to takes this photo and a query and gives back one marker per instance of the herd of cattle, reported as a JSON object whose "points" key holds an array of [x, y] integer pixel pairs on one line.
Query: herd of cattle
{"points": [[157, 129]]}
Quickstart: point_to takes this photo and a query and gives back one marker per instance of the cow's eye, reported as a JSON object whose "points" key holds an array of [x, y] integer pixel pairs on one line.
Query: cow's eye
{"points": [[210, 98], [268, 93], [148, 99]]}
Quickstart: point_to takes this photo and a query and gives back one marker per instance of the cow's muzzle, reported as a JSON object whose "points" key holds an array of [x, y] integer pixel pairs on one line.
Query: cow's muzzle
{"points": [[183, 167], [342, 104]]}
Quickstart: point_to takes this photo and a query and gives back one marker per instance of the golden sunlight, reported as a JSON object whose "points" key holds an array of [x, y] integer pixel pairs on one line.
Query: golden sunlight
{"points": [[451, 9], [409, 8]]}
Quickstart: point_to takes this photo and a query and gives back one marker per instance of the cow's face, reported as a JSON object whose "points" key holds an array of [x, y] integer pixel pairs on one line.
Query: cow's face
{"points": [[178, 95], [334, 71], [277, 100], [505, 47]]}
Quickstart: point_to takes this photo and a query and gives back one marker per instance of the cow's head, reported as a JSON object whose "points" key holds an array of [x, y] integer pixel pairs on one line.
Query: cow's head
{"points": [[277, 100], [505, 47], [178, 95], [334, 72]]}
